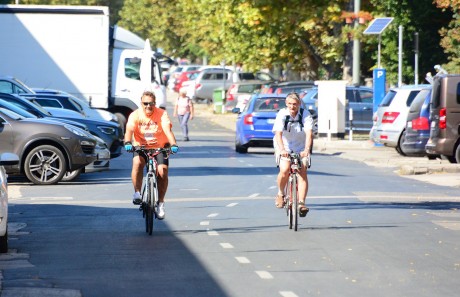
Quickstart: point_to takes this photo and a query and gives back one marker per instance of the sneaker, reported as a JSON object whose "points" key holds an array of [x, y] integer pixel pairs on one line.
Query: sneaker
{"points": [[137, 198], [161, 210]]}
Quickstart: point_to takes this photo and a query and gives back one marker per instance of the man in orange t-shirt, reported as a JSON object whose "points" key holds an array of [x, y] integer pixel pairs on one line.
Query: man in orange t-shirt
{"points": [[150, 127]]}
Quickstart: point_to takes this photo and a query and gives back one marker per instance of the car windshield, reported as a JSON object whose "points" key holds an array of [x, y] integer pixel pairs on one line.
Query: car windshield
{"points": [[16, 109], [11, 114], [269, 104]]}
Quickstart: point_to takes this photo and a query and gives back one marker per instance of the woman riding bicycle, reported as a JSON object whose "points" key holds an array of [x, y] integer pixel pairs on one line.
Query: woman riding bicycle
{"points": [[149, 127], [293, 131]]}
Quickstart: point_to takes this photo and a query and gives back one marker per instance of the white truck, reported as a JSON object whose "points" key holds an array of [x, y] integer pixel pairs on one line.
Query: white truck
{"points": [[74, 49]]}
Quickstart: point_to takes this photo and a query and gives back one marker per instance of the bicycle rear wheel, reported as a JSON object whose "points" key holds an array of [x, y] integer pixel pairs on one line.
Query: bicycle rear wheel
{"points": [[295, 204]]}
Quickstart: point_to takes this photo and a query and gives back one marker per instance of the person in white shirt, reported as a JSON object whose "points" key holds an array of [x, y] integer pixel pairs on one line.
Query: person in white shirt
{"points": [[293, 129]]}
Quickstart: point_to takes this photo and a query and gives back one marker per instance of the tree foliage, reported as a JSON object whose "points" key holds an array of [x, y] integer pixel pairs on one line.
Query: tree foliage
{"points": [[307, 36]]}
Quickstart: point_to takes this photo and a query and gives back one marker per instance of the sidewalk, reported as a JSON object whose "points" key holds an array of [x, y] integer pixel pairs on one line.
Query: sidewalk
{"points": [[439, 172]]}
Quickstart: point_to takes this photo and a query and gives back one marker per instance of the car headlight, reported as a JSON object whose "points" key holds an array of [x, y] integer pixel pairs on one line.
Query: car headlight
{"points": [[107, 130], [77, 131]]}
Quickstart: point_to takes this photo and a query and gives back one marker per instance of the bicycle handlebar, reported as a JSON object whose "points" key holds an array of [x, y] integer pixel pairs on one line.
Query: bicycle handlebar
{"points": [[152, 152]]}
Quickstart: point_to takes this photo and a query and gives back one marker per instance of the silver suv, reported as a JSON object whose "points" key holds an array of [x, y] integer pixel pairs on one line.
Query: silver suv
{"points": [[391, 116]]}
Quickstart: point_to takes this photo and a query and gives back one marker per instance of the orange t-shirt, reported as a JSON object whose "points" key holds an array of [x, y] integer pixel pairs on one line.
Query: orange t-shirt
{"points": [[148, 130]]}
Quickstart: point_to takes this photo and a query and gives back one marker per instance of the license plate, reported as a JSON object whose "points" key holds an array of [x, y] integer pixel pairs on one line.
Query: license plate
{"points": [[271, 121]]}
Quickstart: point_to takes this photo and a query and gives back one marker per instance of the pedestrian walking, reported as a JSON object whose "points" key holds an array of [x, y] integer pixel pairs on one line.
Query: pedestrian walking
{"points": [[184, 111]]}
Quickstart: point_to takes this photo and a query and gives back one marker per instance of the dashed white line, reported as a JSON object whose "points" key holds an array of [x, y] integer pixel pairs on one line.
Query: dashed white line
{"points": [[264, 274], [288, 294], [212, 233], [242, 260], [232, 204], [204, 223], [226, 245], [212, 215], [254, 195]]}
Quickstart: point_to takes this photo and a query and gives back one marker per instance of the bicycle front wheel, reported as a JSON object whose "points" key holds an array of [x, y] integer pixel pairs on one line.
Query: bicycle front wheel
{"points": [[153, 192], [295, 202]]}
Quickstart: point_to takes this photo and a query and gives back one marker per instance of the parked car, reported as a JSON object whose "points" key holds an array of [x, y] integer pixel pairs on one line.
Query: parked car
{"points": [[359, 99], [445, 118], [182, 77], [5, 159], [101, 150], [46, 149], [12, 85], [176, 71], [110, 132], [239, 93], [255, 123], [390, 117], [210, 79], [286, 87], [60, 99], [418, 124]]}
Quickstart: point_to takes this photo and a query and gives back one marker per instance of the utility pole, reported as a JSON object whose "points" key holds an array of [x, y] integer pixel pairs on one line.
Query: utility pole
{"points": [[356, 47]]}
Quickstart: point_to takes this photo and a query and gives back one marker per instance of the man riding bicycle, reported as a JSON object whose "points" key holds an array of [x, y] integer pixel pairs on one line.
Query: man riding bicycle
{"points": [[149, 127], [293, 130]]}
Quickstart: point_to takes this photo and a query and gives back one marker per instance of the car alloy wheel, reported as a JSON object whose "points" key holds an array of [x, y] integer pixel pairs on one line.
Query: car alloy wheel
{"points": [[45, 165]]}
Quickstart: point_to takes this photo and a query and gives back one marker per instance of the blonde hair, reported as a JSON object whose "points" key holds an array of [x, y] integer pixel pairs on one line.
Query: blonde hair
{"points": [[294, 96]]}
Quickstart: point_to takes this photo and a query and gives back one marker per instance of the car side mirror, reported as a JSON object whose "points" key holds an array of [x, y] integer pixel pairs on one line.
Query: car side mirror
{"points": [[236, 110]]}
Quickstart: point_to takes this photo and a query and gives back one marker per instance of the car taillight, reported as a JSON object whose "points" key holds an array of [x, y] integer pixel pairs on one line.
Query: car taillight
{"points": [[231, 91], [389, 117], [442, 118], [420, 123], [248, 119], [197, 86]]}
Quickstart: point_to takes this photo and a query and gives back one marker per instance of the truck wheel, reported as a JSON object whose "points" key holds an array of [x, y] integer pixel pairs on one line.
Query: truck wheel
{"points": [[72, 175], [45, 165]]}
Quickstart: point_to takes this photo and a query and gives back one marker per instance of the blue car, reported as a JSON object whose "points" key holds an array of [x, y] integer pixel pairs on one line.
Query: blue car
{"points": [[418, 126], [255, 123]]}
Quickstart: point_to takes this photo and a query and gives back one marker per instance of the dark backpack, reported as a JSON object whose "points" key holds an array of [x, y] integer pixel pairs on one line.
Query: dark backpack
{"points": [[300, 120]]}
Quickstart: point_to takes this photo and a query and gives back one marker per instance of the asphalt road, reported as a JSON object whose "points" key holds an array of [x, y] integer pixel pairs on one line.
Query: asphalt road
{"points": [[369, 232]]}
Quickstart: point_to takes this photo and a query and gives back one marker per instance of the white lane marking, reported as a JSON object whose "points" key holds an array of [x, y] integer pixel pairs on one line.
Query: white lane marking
{"points": [[242, 260], [272, 187], [213, 215], [212, 233], [254, 195], [226, 245], [188, 189], [204, 223], [288, 294], [250, 165], [232, 204], [264, 274]]}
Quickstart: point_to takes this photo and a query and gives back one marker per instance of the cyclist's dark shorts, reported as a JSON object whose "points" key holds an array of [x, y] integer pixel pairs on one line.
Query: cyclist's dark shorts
{"points": [[160, 157]]}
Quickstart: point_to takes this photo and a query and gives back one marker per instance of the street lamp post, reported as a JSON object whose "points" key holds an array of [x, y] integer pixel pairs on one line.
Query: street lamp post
{"points": [[356, 47]]}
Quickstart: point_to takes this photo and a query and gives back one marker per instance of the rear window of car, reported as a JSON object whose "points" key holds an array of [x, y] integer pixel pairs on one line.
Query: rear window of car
{"points": [[386, 101], [215, 76], [411, 97], [248, 88], [269, 104], [246, 75], [417, 103]]}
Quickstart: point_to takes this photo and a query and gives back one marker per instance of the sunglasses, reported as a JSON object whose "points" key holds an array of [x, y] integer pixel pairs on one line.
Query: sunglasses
{"points": [[148, 103]]}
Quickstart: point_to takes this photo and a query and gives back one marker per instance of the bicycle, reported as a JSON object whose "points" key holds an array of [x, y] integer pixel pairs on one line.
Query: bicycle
{"points": [[291, 200], [149, 191]]}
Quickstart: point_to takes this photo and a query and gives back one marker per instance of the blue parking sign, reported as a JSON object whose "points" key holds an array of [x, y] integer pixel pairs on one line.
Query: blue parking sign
{"points": [[379, 82]]}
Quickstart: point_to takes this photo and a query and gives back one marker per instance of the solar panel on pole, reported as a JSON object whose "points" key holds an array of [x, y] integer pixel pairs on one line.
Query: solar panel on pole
{"points": [[376, 27]]}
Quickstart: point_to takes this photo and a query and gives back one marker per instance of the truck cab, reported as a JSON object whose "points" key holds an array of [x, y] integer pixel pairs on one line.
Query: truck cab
{"points": [[445, 118]]}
